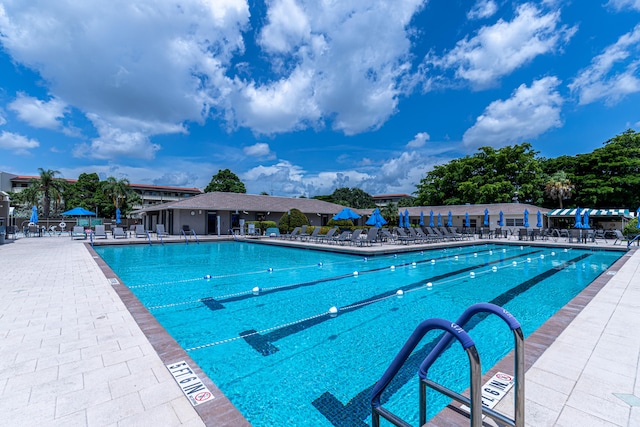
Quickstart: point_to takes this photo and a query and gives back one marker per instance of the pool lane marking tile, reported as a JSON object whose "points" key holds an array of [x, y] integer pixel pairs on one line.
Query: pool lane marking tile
{"points": [[359, 407], [190, 384], [300, 326], [245, 296]]}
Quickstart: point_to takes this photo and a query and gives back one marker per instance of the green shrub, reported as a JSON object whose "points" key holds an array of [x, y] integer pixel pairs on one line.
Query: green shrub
{"points": [[292, 219], [631, 229], [341, 223]]}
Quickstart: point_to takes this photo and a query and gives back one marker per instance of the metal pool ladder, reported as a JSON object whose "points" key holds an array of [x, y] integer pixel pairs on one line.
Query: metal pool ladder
{"points": [[474, 401]]}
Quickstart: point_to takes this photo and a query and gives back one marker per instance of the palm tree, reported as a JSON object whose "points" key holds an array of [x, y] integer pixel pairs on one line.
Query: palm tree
{"points": [[116, 189], [559, 187], [48, 184]]}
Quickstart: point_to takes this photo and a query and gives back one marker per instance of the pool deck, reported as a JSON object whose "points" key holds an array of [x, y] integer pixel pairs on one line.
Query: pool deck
{"points": [[77, 349]]}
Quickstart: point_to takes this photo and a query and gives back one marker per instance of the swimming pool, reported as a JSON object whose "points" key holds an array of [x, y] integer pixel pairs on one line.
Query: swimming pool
{"points": [[283, 360]]}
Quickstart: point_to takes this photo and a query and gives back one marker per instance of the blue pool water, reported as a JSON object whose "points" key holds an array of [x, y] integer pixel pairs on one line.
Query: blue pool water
{"points": [[283, 360]]}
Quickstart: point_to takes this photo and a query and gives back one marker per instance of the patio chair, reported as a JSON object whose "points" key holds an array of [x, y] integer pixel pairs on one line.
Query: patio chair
{"points": [[118, 232], [355, 237], [326, 237], [160, 231], [343, 237], [403, 237], [619, 237], [387, 236], [370, 238], [599, 234], [139, 230], [313, 235], [78, 232], [292, 235], [100, 231]]}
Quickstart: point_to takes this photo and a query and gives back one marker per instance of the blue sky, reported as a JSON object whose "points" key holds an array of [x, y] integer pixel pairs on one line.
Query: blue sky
{"points": [[299, 97]]}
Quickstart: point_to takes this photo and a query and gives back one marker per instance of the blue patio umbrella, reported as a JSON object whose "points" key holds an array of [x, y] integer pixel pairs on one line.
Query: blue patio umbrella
{"points": [[78, 212], [376, 219], [34, 215], [431, 219], [450, 220], [118, 220], [466, 219], [400, 221], [585, 219], [539, 224], [406, 218], [346, 214], [439, 220], [578, 223], [501, 221], [526, 218], [421, 218], [486, 217]]}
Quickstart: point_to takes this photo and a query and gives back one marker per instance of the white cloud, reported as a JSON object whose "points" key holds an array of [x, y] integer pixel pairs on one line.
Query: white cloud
{"points": [[336, 61], [288, 26], [259, 149], [115, 143], [483, 9], [529, 112], [500, 49], [600, 81], [170, 64], [419, 140], [37, 113], [18, 144], [3, 121], [164, 65], [624, 4]]}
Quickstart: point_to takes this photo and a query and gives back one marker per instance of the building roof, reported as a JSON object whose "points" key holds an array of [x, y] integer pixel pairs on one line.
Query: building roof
{"points": [[140, 186], [248, 202]]}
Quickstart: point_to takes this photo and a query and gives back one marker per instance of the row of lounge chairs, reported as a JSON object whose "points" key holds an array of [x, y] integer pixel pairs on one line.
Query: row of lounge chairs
{"points": [[359, 236], [364, 237]]}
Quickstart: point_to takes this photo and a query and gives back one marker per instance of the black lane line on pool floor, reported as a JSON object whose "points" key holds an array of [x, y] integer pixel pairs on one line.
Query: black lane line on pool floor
{"points": [[358, 408], [263, 343], [217, 304]]}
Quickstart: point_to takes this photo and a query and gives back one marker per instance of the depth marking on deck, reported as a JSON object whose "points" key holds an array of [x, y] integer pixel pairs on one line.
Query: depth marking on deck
{"points": [[190, 383], [113, 281]]}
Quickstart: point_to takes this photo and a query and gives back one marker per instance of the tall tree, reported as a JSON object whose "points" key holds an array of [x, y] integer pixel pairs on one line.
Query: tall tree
{"points": [[48, 185], [559, 187], [225, 181], [116, 190], [352, 197], [489, 176]]}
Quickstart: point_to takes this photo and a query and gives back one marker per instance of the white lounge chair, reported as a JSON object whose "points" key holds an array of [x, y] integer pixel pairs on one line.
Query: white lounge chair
{"points": [[118, 232], [78, 232], [140, 231], [100, 231]]}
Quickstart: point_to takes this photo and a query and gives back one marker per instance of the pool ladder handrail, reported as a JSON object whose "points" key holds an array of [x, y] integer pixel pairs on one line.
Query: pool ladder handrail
{"points": [[519, 368], [451, 329], [475, 400], [630, 242], [186, 239]]}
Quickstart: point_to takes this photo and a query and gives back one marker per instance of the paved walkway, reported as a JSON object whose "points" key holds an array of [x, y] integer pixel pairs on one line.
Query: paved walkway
{"points": [[72, 354]]}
